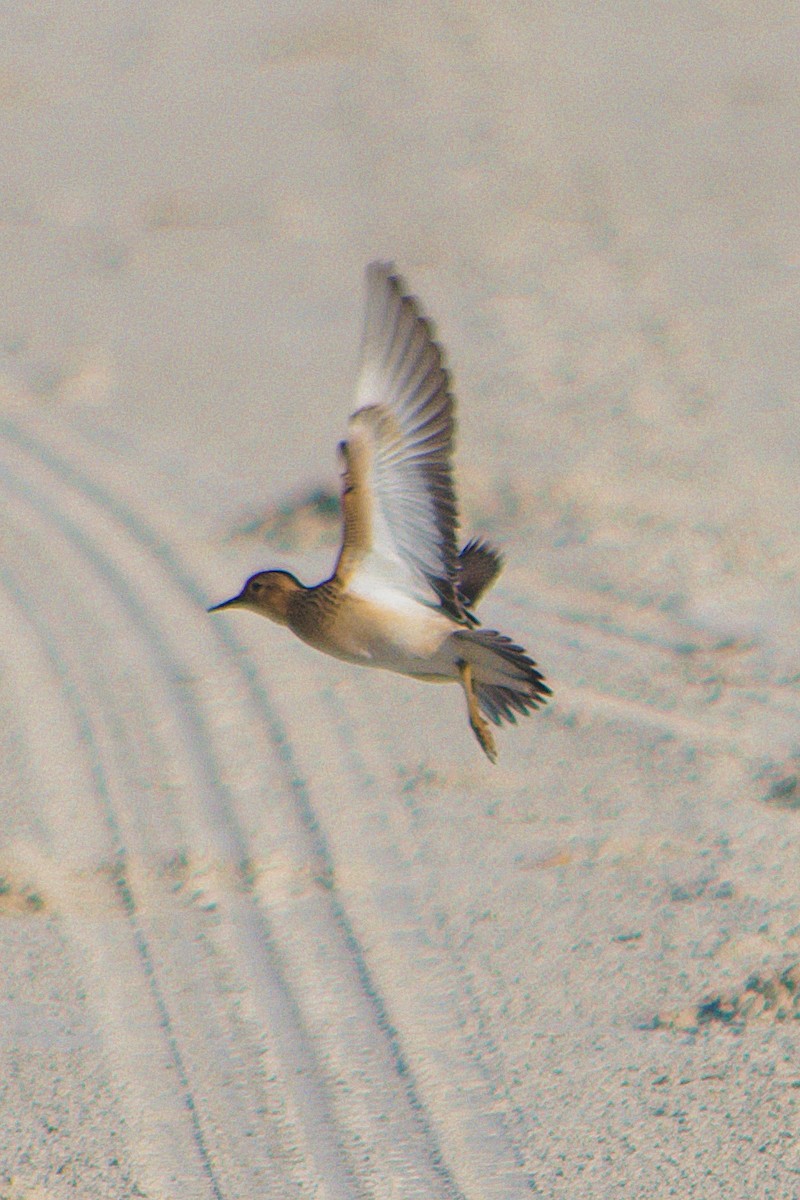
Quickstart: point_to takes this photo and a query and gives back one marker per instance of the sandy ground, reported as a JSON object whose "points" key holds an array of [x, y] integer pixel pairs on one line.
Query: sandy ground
{"points": [[273, 927]]}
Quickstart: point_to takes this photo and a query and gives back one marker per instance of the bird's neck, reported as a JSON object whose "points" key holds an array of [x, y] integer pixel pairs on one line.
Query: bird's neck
{"points": [[311, 608], [284, 594]]}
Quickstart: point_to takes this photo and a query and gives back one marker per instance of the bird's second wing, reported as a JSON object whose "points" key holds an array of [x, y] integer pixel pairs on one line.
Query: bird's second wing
{"points": [[399, 503]]}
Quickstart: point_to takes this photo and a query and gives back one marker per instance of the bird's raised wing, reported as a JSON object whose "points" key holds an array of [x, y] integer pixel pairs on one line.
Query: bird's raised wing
{"points": [[398, 499]]}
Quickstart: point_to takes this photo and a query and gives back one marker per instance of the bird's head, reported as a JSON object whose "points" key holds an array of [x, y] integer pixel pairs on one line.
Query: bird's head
{"points": [[269, 593]]}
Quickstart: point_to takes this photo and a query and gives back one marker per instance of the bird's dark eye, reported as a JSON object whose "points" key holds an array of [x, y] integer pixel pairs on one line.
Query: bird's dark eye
{"points": [[256, 586]]}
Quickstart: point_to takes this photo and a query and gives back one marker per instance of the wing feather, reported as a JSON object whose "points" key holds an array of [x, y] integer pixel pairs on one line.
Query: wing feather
{"points": [[400, 516]]}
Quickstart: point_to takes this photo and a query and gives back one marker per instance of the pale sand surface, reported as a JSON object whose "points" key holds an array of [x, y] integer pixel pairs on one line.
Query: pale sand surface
{"points": [[270, 926]]}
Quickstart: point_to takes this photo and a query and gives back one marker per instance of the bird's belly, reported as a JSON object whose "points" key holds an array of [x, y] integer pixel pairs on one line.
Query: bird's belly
{"points": [[404, 636]]}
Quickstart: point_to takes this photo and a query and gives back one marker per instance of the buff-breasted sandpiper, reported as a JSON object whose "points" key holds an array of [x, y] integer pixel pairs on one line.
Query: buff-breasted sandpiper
{"points": [[401, 596]]}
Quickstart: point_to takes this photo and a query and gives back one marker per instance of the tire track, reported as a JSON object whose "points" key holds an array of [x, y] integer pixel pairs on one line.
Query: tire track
{"points": [[483, 1123], [411, 1145], [319, 882], [109, 893], [165, 927]]}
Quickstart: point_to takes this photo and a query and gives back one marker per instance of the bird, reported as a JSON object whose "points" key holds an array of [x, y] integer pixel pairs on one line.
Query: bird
{"points": [[402, 596]]}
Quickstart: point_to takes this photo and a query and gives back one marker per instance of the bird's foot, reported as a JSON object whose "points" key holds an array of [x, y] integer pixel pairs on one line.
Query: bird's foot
{"points": [[486, 738], [479, 726]]}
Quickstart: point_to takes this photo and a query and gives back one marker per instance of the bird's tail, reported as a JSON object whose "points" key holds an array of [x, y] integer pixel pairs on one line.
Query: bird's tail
{"points": [[505, 680]]}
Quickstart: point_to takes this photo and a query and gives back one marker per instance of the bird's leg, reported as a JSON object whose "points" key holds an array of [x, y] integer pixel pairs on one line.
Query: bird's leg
{"points": [[479, 727]]}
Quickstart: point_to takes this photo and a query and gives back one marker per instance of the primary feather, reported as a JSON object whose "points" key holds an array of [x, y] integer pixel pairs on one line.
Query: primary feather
{"points": [[400, 522]]}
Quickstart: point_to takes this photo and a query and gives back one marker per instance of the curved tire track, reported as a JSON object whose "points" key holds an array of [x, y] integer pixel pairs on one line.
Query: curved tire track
{"points": [[269, 890], [356, 1119], [130, 870]]}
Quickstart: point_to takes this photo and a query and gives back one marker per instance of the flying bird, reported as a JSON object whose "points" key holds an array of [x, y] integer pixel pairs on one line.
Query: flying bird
{"points": [[402, 596]]}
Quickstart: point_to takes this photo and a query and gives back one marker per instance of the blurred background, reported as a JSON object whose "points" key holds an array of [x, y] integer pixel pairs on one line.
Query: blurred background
{"points": [[598, 206], [597, 203]]}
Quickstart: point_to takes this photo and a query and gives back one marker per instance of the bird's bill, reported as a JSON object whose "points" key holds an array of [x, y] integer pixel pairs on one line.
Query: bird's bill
{"points": [[234, 600]]}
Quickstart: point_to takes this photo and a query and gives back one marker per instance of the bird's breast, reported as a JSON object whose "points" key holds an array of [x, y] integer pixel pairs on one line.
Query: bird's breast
{"points": [[393, 631]]}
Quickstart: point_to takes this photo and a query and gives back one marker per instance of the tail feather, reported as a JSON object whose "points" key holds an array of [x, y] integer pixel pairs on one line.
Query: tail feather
{"points": [[501, 703], [505, 679]]}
